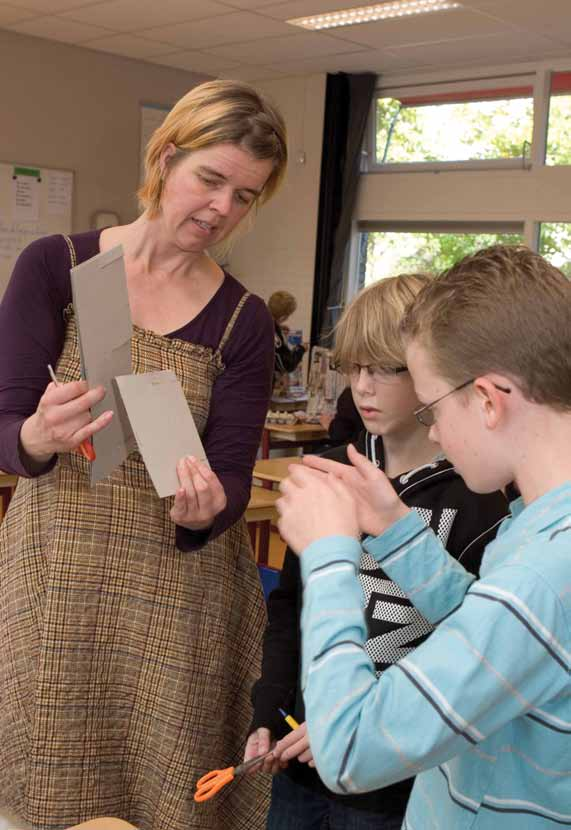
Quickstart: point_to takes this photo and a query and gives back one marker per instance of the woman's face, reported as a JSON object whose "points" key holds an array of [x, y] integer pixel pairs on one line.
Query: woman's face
{"points": [[208, 192]]}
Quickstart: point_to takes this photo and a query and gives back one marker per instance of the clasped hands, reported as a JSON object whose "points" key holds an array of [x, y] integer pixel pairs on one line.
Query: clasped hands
{"points": [[322, 497], [62, 420]]}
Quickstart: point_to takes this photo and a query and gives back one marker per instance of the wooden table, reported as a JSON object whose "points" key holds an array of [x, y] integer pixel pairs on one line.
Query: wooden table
{"points": [[274, 470], [260, 513], [285, 435], [268, 471]]}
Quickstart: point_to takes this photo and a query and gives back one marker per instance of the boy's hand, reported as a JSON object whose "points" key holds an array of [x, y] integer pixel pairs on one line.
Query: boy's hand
{"points": [[295, 745], [258, 743], [377, 504], [313, 506]]}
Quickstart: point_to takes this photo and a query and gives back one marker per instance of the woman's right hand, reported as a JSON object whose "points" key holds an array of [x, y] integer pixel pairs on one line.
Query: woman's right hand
{"points": [[62, 420], [258, 743]]}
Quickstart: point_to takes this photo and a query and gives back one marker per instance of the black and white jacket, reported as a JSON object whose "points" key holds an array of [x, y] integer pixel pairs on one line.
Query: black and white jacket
{"points": [[464, 521]]}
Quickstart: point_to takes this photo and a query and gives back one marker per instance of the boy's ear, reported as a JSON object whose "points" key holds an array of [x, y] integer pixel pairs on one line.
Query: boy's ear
{"points": [[492, 401]]}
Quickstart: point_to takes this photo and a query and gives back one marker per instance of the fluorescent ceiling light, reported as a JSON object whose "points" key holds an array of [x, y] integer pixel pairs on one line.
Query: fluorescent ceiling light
{"points": [[365, 14]]}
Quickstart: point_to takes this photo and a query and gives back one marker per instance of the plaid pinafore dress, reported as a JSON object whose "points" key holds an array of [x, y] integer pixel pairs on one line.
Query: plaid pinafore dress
{"points": [[125, 664]]}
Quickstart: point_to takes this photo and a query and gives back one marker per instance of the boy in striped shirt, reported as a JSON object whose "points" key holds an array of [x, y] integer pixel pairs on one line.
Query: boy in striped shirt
{"points": [[481, 711]]}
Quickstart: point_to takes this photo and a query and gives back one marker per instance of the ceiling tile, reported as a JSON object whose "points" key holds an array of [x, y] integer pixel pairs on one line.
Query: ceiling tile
{"points": [[196, 62], [366, 61], [56, 28], [251, 73], [230, 28], [492, 6], [250, 39], [552, 18], [134, 15], [130, 46], [49, 6], [301, 8], [249, 4], [495, 49], [284, 48], [420, 29], [11, 14]]}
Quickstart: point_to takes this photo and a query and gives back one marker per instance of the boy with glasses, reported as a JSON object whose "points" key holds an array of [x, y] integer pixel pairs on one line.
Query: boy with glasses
{"points": [[481, 711], [370, 351]]}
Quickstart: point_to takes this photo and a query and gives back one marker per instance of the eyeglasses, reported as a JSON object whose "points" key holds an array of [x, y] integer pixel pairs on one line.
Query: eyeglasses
{"points": [[424, 414], [378, 374]]}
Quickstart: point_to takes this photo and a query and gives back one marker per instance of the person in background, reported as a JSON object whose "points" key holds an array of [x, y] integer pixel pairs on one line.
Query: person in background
{"points": [[346, 424], [370, 351], [130, 626], [481, 710], [282, 305]]}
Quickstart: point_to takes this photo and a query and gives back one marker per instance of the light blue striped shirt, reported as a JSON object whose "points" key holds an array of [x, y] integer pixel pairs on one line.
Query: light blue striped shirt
{"points": [[481, 711]]}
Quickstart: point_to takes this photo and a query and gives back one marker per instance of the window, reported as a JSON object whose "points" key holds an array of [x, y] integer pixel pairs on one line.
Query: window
{"points": [[387, 251], [478, 125], [555, 244], [559, 127]]}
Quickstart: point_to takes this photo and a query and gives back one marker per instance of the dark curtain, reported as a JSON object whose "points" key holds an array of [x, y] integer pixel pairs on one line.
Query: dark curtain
{"points": [[347, 104]]}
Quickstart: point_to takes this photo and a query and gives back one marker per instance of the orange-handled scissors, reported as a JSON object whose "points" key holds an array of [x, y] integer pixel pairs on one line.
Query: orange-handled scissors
{"points": [[212, 782]]}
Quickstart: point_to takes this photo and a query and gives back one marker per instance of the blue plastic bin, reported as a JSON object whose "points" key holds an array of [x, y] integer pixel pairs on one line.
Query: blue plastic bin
{"points": [[270, 578]]}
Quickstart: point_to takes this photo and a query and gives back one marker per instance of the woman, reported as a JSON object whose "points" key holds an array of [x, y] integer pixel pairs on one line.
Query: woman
{"points": [[129, 626]]}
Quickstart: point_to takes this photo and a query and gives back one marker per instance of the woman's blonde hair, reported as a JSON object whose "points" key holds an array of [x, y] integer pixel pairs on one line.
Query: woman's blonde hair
{"points": [[217, 112], [282, 304], [504, 309], [369, 329]]}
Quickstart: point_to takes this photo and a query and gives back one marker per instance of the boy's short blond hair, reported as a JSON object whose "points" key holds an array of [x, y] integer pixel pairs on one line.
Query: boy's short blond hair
{"points": [[369, 329], [504, 309], [282, 304]]}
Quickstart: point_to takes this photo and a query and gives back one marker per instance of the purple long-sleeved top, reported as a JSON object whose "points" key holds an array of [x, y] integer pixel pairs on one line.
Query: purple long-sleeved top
{"points": [[32, 333]]}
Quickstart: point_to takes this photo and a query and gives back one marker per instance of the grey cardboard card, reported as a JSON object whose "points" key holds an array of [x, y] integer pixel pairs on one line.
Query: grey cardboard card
{"points": [[162, 424], [101, 304]]}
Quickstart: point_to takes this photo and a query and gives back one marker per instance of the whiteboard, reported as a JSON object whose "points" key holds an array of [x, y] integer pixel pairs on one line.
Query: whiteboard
{"points": [[34, 201]]}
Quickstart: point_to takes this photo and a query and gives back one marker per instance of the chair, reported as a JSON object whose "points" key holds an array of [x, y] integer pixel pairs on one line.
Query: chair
{"points": [[261, 511], [7, 484]]}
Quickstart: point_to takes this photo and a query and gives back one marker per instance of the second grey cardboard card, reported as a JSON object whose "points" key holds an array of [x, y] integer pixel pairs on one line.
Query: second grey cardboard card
{"points": [[162, 424]]}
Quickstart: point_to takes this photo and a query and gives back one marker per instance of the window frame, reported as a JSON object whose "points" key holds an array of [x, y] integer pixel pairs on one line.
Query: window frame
{"points": [[436, 90], [375, 210], [412, 226]]}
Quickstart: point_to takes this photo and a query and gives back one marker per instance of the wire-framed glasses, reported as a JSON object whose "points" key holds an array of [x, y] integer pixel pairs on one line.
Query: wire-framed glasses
{"points": [[378, 374], [425, 414]]}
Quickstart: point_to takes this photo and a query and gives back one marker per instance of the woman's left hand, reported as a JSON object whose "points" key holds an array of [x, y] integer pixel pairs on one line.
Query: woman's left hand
{"points": [[200, 497]]}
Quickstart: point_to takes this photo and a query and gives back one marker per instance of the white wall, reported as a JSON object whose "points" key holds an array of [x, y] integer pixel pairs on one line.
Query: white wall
{"points": [[68, 107], [279, 252]]}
